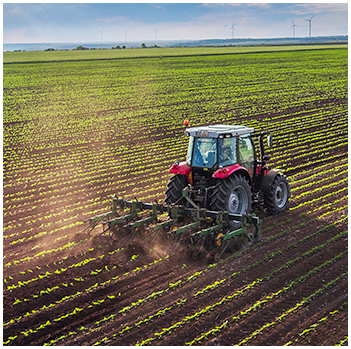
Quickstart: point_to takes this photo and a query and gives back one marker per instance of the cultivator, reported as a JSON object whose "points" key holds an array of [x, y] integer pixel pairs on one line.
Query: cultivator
{"points": [[196, 228]]}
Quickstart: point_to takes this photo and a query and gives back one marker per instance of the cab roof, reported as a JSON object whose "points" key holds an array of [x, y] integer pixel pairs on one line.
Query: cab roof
{"points": [[215, 131]]}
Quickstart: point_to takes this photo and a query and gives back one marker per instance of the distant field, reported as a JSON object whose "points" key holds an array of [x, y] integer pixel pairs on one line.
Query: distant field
{"points": [[41, 56]]}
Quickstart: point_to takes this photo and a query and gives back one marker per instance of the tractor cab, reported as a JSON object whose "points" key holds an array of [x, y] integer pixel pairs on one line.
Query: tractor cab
{"points": [[218, 146], [223, 173]]}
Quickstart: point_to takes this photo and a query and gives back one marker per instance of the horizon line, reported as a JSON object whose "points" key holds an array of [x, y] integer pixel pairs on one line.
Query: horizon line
{"points": [[172, 40]]}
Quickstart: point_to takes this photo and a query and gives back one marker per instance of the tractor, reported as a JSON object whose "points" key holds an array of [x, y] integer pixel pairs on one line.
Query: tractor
{"points": [[223, 173]]}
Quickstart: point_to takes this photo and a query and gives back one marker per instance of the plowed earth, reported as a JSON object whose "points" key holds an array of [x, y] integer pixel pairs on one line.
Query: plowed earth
{"points": [[71, 287]]}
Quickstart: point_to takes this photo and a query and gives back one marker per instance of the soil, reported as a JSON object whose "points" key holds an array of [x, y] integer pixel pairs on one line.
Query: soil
{"points": [[65, 285]]}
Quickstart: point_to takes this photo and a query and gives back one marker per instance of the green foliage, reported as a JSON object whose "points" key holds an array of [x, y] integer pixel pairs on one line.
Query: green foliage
{"points": [[61, 55]]}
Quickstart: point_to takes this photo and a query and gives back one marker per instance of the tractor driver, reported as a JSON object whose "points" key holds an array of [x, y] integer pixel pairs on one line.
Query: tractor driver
{"points": [[226, 153]]}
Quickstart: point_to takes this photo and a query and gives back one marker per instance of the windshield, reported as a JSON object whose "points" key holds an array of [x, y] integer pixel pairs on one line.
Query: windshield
{"points": [[205, 152]]}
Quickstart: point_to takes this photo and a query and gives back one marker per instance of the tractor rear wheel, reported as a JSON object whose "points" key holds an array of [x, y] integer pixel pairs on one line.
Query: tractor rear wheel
{"points": [[277, 199], [175, 188], [234, 195]]}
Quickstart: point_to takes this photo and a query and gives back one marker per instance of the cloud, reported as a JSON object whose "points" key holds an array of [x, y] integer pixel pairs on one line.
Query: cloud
{"points": [[221, 4], [160, 7], [16, 35], [113, 19], [262, 6], [311, 8]]}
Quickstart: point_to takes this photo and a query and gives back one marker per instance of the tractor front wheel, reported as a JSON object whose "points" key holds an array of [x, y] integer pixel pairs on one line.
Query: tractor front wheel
{"points": [[277, 199], [175, 188]]}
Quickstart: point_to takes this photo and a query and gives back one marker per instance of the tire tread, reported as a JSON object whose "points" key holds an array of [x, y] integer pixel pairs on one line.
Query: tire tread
{"points": [[175, 187], [269, 199]]}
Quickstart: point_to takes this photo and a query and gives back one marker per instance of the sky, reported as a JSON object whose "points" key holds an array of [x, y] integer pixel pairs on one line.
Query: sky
{"points": [[121, 22]]}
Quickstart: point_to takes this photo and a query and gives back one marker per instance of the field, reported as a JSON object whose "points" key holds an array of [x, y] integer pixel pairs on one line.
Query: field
{"points": [[68, 55], [76, 131]]}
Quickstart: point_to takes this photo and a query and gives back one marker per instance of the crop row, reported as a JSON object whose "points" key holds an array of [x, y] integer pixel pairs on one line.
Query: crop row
{"points": [[124, 159], [252, 308], [244, 289], [283, 316], [314, 326], [211, 287], [76, 309]]}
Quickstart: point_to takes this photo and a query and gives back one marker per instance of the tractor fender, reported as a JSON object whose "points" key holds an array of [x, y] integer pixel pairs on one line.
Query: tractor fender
{"points": [[182, 168], [228, 170], [268, 180]]}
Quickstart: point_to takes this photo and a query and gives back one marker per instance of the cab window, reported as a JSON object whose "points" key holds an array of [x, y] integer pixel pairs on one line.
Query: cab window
{"points": [[190, 150], [227, 151], [246, 153]]}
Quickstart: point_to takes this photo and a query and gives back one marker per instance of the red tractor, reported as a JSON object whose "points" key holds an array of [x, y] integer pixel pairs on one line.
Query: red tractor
{"points": [[222, 172]]}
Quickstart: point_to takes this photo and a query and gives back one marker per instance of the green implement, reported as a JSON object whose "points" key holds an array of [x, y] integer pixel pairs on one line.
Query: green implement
{"points": [[213, 229]]}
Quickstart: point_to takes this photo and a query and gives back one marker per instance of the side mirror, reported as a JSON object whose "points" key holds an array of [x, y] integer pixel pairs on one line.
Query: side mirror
{"points": [[269, 141]]}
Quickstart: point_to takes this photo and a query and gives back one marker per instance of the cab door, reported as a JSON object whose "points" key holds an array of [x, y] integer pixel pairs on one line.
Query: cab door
{"points": [[247, 154]]}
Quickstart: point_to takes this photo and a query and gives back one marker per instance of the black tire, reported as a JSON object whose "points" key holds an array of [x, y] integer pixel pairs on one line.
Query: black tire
{"points": [[234, 195], [175, 188], [276, 201]]}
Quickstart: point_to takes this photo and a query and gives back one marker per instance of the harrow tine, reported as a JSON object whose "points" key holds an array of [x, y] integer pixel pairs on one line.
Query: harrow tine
{"points": [[154, 235], [178, 239], [91, 226], [144, 234], [218, 257], [127, 231], [133, 234], [104, 231], [112, 232], [161, 227], [197, 252]]}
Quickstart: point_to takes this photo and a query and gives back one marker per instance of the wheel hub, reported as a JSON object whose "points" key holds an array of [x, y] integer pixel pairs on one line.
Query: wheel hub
{"points": [[238, 201], [281, 194], [233, 202]]}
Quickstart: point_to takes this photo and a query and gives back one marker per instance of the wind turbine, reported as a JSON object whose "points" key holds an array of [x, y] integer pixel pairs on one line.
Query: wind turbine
{"points": [[310, 24], [101, 30], [293, 28], [232, 28], [125, 32], [156, 30]]}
